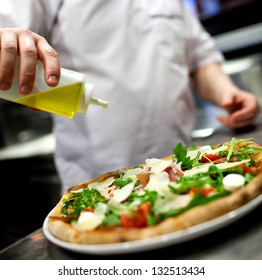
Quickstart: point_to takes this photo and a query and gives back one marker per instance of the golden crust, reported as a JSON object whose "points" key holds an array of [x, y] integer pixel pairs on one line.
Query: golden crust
{"points": [[192, 217]]}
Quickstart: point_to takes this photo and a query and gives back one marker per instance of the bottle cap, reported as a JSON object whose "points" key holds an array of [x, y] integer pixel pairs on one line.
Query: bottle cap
{"points": [[87, 99]]}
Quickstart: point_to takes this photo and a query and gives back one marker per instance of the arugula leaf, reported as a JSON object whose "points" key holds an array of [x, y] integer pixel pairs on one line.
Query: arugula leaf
{"points": [[180, 153], [151, 220], [251, 150], [217, 174], [186, 183], [233, 142], [122, 181], [111, 219], [231, 147], [79, 201], [249, 177], [192, 147], [212, 177], [147, 196]]}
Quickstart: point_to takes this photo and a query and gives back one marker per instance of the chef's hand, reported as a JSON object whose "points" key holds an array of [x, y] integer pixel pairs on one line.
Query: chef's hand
{"points": [[30, 47], [242, 107]]}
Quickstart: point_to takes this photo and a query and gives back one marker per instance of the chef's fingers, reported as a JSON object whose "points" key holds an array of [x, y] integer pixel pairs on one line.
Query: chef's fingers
{"points": [[30, 47], [28, 61], [8, 53], [33, 47], [239, 123], [50, 60]]}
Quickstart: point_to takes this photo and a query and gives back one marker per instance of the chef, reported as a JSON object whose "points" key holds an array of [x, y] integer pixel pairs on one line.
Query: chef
{"points": [[143, 57]]}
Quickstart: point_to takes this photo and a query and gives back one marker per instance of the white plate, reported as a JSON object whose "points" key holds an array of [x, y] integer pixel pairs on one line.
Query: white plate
{"points": [[156, 242]]}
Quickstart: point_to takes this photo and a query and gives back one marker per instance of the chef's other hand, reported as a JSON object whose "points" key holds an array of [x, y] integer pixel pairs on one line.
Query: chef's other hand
{"points": [[30, 47], [242, 107]]}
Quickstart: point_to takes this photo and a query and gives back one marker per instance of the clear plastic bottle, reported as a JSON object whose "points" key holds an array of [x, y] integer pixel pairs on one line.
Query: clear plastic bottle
{"points": [[72, 95]]}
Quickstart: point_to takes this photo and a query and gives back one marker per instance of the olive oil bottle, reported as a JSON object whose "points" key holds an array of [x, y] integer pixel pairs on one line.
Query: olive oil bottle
{"points": [[72, 95]]}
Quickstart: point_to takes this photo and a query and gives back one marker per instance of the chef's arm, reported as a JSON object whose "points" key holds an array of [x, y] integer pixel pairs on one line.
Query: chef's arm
{"points": [[214, 86]]}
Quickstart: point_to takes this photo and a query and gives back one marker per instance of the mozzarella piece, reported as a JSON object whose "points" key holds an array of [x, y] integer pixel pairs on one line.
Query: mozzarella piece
{"points": [[166, 204], [91, 220], [158, 165], [233, 182]]}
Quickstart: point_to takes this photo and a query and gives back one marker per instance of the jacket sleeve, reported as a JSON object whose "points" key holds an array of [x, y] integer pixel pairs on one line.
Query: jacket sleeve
{"points": [[200, 47]]}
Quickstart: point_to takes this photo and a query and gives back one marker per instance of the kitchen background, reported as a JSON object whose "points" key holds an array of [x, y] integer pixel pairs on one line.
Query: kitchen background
{"points": [[30, 187]]}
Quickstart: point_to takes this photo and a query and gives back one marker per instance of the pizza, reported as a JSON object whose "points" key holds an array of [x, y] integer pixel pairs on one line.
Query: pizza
{"points": [[189, 187]]}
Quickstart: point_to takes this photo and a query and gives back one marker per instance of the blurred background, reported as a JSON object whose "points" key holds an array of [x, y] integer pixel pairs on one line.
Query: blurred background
{"points": [[27, 143]]}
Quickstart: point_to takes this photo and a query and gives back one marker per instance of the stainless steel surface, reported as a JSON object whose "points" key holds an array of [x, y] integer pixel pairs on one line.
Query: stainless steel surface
{"points": [[246, 72], [203, 132], [19, 124], [40, 146], [239, 38], [241, 240]]}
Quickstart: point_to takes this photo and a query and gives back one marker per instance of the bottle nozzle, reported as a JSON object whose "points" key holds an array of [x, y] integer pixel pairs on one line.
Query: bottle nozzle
{"points": [[98, 102], [87, 99]]}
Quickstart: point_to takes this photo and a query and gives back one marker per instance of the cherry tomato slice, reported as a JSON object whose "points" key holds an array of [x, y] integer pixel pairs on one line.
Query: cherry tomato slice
{"points": [[209, 157], [136, 219]]}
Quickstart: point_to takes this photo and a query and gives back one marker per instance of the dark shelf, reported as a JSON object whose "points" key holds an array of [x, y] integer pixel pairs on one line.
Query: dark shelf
{"points": [[234, 18]]}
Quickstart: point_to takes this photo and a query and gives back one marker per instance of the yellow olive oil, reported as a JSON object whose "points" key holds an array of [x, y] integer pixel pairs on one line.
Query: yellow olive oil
{"points": [[62, 100]]}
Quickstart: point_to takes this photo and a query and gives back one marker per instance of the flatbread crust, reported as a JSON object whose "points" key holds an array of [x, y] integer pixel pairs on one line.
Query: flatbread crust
{"points": [[195, 216]]}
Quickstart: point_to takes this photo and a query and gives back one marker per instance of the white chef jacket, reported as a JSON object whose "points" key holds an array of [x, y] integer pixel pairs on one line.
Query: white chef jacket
{"points": [[139, 55]]}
